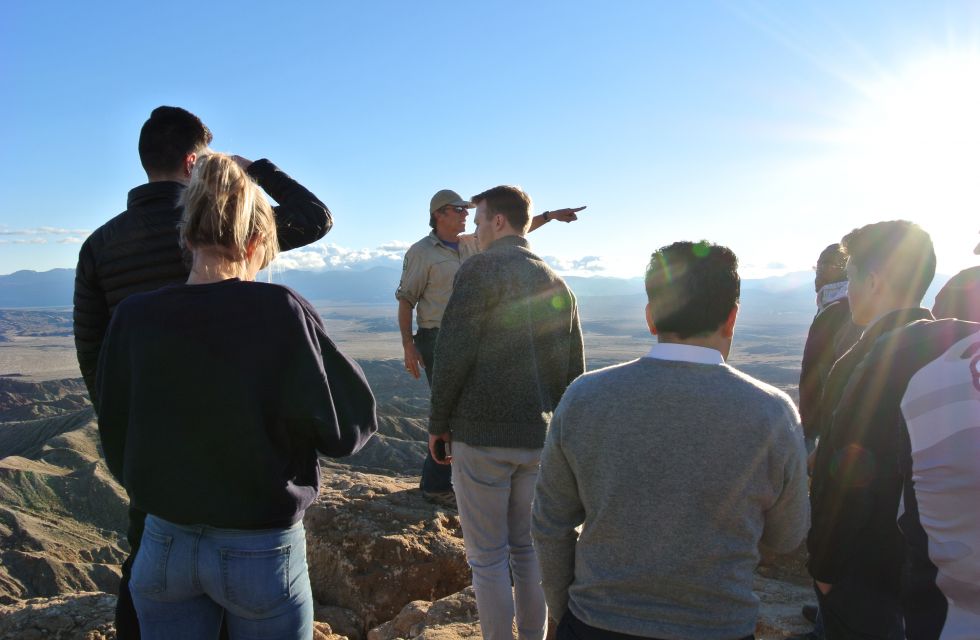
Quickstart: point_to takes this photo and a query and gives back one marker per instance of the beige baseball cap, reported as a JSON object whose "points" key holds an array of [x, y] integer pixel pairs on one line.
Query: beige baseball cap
{"points": [[445, 198]]}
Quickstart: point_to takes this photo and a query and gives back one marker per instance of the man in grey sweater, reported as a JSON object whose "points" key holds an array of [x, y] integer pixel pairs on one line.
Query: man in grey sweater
{"points": [[676, 467], [509, 345]]}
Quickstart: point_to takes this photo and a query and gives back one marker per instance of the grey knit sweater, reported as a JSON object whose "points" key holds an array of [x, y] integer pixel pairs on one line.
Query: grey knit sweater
{"points": [[509, 344], [676, 472]]}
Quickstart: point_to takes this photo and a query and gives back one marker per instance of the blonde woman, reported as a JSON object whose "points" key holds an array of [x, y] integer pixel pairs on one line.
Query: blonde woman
{"points": [[215, 397]]}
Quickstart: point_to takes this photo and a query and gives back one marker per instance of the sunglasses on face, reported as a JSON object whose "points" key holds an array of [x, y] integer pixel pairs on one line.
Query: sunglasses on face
{"points": [[456, 209]]}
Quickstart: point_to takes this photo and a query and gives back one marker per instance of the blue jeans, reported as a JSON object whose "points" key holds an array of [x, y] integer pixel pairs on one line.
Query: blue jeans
{"points": [[186, 578]]}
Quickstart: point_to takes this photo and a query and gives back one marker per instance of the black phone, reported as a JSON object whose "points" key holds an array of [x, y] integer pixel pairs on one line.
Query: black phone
{"points": [[442, 449]]}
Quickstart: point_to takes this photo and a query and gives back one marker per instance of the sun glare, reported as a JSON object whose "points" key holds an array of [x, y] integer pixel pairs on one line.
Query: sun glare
{"points": [[912, 150]]}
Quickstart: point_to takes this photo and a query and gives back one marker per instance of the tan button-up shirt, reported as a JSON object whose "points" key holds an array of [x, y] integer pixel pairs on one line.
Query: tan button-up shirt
{"points": [[427, 276]]}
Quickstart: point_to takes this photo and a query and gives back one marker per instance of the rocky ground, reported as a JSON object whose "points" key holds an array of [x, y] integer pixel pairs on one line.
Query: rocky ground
{"points": [[384, 563]]}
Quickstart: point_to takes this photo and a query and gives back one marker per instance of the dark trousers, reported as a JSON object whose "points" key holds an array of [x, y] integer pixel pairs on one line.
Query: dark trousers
{"points": [[571, 628], [127, 624], [435, 477], [855, 610]]}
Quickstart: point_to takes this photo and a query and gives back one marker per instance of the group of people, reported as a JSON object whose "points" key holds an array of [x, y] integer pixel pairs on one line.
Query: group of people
{"points": [[892, 397], [629, 502], [652, 485]]}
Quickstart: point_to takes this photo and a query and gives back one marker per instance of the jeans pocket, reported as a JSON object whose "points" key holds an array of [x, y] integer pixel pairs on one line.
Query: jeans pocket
{"points": [[150, 566], [257, 581]]}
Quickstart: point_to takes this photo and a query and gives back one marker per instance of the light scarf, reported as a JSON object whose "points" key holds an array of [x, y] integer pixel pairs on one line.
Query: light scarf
{"points": [[831, 293]]}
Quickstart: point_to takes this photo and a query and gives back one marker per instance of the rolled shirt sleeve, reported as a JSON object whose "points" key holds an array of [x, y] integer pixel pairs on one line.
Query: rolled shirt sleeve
{"points": [[415, 275]]}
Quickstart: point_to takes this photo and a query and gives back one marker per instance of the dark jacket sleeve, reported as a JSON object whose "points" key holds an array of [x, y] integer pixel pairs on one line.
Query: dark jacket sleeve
{"points": [[90, 316], [327, 397], [111, 397], [458, 343], [301, 218], [819, 355]]}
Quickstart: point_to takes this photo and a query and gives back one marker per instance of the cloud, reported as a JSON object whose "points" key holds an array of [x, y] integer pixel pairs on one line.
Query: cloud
{"points": [[776, 266], [325, 256], [31, 241], [71, 240], [586, 264], [44, 231]]}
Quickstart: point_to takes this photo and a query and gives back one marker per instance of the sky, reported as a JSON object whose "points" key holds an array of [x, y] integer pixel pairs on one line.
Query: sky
{"points": [[771, 127]]}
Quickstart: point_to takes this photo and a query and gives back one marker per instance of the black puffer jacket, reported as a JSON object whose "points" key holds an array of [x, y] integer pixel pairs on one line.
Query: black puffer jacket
{"points": [[138, 251]]}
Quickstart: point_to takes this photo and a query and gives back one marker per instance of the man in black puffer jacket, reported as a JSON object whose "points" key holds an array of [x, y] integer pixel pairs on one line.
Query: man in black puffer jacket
{"points": [[138, 251]]}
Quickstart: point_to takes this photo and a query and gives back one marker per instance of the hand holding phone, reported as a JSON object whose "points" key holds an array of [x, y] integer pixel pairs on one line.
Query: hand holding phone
{"points": [[441, 449]]}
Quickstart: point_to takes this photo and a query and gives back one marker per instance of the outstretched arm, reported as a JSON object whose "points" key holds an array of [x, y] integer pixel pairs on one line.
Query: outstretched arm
{"points": [[562, 215]]}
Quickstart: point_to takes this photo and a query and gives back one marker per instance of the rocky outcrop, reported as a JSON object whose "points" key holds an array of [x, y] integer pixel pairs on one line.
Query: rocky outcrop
{"points": [[76, 616], [454, 616], [374, 545]]}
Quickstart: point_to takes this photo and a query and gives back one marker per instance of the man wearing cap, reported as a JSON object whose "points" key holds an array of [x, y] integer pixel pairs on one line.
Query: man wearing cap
{"points": [[427, 282]]}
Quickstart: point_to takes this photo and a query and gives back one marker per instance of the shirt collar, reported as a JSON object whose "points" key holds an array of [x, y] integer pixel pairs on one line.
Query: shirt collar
{"points": [[685, 353], [437, 241], [510, 241]]}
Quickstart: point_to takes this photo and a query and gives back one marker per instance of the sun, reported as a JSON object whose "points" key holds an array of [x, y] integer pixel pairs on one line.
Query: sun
{"points": [[910, 148]]}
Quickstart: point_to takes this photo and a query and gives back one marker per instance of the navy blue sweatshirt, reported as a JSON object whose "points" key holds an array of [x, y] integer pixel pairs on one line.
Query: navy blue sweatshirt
{"points": [[214, 399]]}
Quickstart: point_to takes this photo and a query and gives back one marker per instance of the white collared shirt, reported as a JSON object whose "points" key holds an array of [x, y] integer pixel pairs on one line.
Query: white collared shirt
{"points": [[685, 353]]}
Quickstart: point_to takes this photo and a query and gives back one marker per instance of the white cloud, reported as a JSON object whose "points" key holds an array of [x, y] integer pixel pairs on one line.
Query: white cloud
{"points": [[31, 241], [43, 231], [325, 256], [587, 265], [71, 240]]}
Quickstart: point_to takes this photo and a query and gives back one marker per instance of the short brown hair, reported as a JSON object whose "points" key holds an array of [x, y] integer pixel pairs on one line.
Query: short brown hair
{"points": [[900, 251], [169, 136], [510, 202]]}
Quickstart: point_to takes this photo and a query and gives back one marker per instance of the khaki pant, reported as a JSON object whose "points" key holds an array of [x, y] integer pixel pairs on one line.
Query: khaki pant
{"points": [[494, 488]]}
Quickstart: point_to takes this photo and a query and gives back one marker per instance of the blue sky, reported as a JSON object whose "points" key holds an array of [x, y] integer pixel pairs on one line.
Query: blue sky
{"points": [[773, 127]]}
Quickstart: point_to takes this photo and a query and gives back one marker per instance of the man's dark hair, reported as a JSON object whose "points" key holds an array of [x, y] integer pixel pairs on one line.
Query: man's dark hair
{"points": [[168, 137], [900, 251], [692, 287], [510, 202], [833, 258]]}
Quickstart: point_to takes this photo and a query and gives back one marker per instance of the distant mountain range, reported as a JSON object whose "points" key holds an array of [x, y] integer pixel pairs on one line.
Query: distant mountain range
{"points": [[790, 293]]}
